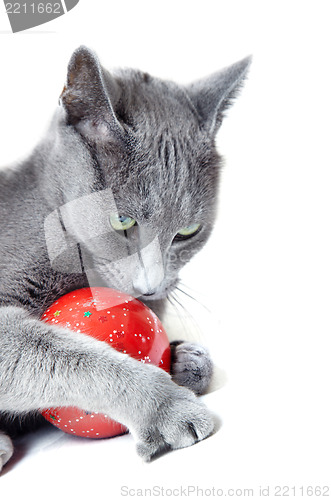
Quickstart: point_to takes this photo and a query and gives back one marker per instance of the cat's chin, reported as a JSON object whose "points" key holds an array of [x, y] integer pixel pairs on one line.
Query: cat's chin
{"points": [[155, 302]]}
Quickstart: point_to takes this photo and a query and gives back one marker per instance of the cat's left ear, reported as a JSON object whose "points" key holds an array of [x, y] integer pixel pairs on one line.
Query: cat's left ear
{"points": [[212, 96], [87, 97]]}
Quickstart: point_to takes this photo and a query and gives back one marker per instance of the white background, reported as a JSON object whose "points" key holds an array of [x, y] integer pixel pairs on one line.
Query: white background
{"points": [[265, 274]]}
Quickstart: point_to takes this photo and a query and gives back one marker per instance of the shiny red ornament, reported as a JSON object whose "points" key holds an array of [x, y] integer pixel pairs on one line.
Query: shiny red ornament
{"points": [[122, 321]]}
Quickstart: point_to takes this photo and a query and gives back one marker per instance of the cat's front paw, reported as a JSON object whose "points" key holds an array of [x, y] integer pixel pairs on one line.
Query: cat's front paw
{"points": [[182, 420], [6, 449], [191, 366]]}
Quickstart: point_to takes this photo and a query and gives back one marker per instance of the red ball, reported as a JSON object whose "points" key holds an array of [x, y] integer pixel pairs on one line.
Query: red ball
{"points": [[122, 321]]}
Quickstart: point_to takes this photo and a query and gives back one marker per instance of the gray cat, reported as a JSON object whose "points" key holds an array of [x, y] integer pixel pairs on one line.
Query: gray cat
{"points": [[121, 192]]}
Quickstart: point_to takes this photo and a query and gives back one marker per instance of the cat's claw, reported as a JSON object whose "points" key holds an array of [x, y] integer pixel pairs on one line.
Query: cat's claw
{"points": [[182, 422], [192, 366], [6, 449]]}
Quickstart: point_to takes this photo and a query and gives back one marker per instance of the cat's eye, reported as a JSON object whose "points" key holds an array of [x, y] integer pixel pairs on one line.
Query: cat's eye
{"points": [[187, 232], [121, 222]]}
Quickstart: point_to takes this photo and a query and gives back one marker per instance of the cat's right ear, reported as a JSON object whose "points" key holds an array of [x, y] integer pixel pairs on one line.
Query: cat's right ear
{"points": [[86, 100], [213, 95]]}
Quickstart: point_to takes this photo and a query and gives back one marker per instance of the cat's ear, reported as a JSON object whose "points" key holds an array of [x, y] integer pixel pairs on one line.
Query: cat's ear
{"points": [[211, 96], [86, 100]]}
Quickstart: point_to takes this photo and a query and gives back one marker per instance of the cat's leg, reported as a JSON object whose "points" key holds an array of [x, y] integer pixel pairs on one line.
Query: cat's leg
{"points": [[42, 366], [6, 449], [191, 366]]}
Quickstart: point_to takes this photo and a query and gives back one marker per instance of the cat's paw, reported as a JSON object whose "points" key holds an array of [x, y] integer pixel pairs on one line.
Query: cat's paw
{"points": [[6, 449], [191, 366], [182, 420]]}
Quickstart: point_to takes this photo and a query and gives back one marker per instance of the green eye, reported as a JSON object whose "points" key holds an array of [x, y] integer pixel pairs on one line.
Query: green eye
{"points": [[188, 231], [121, 222]]}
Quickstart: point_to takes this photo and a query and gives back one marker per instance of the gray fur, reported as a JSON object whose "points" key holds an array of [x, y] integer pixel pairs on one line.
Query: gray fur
{"points": [[191, 366], [146, 148], [6, 449]]}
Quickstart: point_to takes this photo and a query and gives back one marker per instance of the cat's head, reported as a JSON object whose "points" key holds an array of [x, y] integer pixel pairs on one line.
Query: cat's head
{"points": [[139, 172]]}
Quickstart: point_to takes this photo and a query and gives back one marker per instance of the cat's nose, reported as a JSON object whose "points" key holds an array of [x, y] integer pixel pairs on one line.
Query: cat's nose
{"points": [[143, 293], [146, 282], [149, 272], [149, 294]]}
